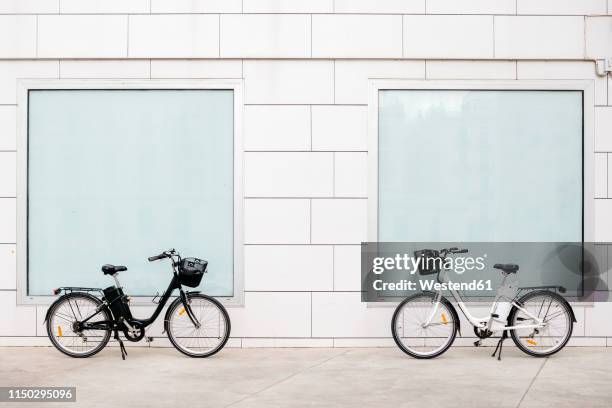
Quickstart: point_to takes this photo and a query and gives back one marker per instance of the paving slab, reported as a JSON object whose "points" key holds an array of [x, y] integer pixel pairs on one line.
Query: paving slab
{"points": [[576, 377]]}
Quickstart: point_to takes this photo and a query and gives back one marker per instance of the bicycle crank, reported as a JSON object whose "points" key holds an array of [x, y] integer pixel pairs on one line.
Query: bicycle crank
{"points": [[134, 335], [481, 334]]}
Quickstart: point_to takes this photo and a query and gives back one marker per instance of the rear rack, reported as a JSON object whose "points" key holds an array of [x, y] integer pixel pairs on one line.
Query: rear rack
{"points": [[556, 289], [70, 289]]}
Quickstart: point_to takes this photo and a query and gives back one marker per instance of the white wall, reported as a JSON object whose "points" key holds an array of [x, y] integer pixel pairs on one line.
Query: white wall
{"points": [[305, 66]]}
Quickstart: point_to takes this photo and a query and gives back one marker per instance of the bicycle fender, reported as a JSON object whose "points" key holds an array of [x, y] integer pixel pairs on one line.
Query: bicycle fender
{"points": [[455, 314], [571, 309], [572, 312], [170, 307]]}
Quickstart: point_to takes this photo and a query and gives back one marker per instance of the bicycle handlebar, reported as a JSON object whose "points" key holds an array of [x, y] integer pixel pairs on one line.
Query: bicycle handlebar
{"points": [[453, 250]]}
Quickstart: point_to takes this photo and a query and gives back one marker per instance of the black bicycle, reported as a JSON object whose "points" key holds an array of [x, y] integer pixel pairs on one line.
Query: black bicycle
{"points": [[80, 324]]}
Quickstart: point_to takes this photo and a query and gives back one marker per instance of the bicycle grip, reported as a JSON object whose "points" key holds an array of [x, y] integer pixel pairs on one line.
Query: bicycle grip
{"points": [[156, 257], [461, 251]]}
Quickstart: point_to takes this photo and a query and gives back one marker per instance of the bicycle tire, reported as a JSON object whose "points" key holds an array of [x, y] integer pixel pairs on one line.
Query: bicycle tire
{"points": [[431, 296], [168, 327]]}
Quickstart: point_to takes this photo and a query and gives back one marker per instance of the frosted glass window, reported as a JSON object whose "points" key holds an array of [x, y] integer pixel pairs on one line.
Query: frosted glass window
{"points": [[490, 166], [115, 176]]}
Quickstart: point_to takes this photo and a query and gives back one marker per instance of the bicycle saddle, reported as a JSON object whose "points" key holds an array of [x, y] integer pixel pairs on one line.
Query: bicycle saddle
{"points": [[508, 268], [112, 269]]}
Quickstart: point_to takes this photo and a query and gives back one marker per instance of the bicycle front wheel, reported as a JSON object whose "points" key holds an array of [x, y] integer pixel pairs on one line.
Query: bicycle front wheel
{"points": [[212, 333], [423, 328], [558, 320]]}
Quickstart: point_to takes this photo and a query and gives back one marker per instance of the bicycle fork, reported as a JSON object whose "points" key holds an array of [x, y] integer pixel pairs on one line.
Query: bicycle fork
{"points": [[187, 307], [434, 310]]}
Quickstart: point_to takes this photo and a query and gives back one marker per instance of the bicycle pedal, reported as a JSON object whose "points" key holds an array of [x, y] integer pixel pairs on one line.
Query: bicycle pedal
{"points": [[477, 343], [149, 339]]}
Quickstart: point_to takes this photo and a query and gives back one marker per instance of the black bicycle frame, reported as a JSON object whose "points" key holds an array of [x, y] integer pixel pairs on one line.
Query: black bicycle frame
{"points": [[142, 323], [174, 284]]}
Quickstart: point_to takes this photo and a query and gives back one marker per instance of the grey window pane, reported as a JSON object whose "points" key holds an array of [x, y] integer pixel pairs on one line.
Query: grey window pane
{"points": [[480, 166], [115, 176]]}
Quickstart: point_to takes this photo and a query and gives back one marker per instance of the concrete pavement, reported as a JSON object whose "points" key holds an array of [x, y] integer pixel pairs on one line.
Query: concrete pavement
{"points": [[381, 377]]}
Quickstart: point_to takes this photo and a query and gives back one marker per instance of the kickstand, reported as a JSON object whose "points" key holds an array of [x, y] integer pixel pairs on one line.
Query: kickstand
{"points": [[121, 346], [500, 344]]}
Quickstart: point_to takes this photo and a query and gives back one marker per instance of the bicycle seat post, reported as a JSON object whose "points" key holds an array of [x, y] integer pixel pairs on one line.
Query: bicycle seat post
{"points": [[116, 280]]}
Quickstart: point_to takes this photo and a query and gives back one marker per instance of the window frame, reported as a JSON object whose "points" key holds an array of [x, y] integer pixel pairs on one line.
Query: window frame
{"points": [[26, 85], [588, 146]]}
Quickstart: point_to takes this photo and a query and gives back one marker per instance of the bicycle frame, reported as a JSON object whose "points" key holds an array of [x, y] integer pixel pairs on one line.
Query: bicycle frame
{"points": [[141, 323], [483, 322]]}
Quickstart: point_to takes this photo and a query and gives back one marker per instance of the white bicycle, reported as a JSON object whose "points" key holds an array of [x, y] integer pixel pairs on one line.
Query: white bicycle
{"points": [[425, 325]]}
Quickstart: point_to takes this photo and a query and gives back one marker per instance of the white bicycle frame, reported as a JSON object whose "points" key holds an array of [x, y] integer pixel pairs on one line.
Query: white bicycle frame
{"points": [[485, 322]]}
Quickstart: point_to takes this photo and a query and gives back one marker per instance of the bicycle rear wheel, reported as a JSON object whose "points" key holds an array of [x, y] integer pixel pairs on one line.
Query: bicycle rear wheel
{"points": [[557, 315], [415, 338], [203, 341], [62, 328]]}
